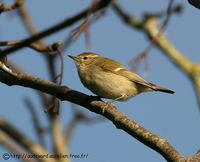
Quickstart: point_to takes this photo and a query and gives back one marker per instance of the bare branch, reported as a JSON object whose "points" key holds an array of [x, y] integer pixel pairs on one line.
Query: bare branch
{"points": [[150, 28], [9, 144], [58, 141], [64, 24], [26, 19], [36, 121], [35, 46], [78, 118], [23, 141], [107, 110]]}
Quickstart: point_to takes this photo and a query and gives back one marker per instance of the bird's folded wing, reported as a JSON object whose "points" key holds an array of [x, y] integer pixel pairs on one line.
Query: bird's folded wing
{"points": [[118, 69], [133, 77]]}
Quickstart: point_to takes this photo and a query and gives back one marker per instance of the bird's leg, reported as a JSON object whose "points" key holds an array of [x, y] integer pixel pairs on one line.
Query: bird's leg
{"points": [[111, 102], [118, 98], [108, 103]]}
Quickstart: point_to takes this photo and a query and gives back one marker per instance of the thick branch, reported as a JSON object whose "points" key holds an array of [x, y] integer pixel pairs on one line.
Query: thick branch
{"points": [[168, 49], [107, 110], [195, 3]]}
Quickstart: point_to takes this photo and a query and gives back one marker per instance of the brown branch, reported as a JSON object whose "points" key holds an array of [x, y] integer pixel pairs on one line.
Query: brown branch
{"points": [[23, 141], [64, 24], [107, 110], [35, 46], [10, 145], [58, 141], [150, 28], [29, 26], [16, 5], [72, 35], [196, 80], [24, 15], [190, 69], [35, 121], [79, 118]]}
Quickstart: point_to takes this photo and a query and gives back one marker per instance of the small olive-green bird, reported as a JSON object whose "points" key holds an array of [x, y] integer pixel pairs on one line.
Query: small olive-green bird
{"points": [[109, 79]]}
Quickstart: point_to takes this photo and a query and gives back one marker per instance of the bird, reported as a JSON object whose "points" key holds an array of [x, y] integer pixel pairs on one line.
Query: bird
{"points": [[109, 79]]}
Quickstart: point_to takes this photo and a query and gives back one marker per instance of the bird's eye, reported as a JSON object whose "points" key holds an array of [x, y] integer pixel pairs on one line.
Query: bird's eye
{"points": [[85, 58]]}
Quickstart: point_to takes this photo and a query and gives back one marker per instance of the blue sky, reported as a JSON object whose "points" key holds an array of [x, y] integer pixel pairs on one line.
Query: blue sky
{"points": [[173, 117]]}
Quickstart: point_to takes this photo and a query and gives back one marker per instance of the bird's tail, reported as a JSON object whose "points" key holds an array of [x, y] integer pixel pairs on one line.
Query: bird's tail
{"points": [[161, 89]]}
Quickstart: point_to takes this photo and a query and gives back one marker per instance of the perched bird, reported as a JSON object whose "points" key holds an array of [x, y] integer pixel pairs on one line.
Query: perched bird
{"points": [[109, 79]]}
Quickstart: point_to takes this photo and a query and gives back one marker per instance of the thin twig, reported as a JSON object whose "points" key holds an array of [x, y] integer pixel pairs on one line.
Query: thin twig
{"points": [[64, 24], [151, 29], [35, 46]]}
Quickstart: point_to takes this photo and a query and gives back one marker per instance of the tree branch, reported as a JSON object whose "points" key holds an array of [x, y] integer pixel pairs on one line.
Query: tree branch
{"points": [[35, 46], [23, 141], [107, 110], [39, 129], [150, 27], [9, 144], [64, 24], [195, 3], [58, 139]]}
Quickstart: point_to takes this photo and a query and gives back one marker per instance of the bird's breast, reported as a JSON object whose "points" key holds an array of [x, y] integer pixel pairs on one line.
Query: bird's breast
{"points": [[108, 85]]}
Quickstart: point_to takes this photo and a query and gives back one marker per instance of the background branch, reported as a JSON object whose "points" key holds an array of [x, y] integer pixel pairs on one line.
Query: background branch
{"points": [[23, 141], [9, 144], [64, 24], [36, 122], [150, 27]]}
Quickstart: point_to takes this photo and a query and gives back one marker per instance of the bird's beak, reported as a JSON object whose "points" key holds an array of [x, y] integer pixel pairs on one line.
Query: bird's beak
{"points": [[75, 58], [72, 57]]}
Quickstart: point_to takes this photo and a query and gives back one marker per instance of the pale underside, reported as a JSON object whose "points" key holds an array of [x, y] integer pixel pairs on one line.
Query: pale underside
{"points": [[111, 86]]}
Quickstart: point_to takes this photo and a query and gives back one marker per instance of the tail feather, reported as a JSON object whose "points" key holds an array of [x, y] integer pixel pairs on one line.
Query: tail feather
{"points": [[161, 89]]}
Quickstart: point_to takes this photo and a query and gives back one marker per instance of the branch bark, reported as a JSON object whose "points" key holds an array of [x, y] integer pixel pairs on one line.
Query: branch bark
{"points": [[107, 110]]}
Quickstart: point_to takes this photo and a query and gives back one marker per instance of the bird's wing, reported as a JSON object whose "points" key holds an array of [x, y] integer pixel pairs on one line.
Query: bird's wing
{"points": [[119, 69], [133, 77]]}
